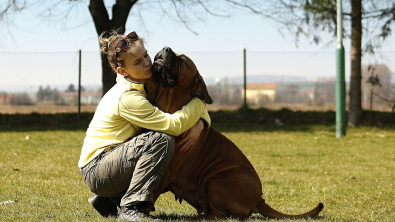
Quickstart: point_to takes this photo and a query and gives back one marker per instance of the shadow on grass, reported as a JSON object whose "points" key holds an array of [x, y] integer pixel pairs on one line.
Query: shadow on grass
{"points": [[255, 217], [262, 218]]}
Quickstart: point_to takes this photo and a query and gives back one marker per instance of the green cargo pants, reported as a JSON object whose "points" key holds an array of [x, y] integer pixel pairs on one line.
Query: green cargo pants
{"points": [[131, 171]]}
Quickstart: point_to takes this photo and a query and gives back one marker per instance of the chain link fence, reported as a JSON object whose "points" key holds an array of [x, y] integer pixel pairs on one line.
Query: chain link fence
{"points": [[48, 82]]}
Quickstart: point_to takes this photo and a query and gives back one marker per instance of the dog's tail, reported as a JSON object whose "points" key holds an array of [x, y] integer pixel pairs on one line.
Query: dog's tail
{"points": [[267, 211]]}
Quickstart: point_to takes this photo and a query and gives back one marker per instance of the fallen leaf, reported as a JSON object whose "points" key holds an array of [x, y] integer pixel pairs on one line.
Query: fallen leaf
{"points": [[7, 202]]}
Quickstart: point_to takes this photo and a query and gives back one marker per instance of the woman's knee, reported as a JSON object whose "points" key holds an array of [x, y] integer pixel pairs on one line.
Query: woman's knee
{"points": [[168, 141]]}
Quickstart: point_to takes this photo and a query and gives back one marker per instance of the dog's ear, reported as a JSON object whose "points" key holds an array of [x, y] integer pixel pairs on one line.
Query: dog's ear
{"points": [[201, 90]]}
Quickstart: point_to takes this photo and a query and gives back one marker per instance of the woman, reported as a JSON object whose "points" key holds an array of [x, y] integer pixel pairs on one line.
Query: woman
{"points": [[120, 163]]}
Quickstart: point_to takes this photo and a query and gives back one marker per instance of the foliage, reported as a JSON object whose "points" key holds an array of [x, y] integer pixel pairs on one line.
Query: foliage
{"points": [[257, 119], [314, 18], [44, 94], [21, 99], [299, 166], [70, 88], [54, 95], [362, 17], [8, 10], [113, 14], [46, 121]]}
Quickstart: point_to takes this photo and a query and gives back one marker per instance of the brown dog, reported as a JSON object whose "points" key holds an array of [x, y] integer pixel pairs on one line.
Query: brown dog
{"points": [[215, 177]]}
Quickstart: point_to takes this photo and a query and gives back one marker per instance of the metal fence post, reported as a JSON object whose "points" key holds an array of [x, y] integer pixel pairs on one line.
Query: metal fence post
{"points": [[79, 86], [245, 84], [340, 76]]}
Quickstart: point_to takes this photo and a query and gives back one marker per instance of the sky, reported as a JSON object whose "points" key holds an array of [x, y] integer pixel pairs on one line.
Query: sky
{"points": [[215, 34], [39, 52]]}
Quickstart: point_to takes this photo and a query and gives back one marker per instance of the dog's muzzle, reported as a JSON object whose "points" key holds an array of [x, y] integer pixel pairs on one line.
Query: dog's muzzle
{"points": [[164, 70]]}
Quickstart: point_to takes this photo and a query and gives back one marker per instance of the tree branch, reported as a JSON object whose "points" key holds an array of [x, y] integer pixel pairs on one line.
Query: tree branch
{"points": [[182, 19], [12, 6], [209, 11]]}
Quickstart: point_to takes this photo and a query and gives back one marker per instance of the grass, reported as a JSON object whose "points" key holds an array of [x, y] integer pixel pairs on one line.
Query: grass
{"points": [[299, 167]]}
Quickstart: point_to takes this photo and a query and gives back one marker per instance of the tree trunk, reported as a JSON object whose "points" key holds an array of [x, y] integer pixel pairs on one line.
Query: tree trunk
{"points": [[103, 23], [108, 75], [355, 107]]}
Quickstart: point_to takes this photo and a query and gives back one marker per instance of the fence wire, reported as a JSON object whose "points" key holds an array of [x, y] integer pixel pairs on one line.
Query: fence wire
{"points": [[296, 80]]}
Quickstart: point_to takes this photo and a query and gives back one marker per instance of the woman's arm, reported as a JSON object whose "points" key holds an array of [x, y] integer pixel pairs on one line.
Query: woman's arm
{"points": [[135, 108], [206, 118]]}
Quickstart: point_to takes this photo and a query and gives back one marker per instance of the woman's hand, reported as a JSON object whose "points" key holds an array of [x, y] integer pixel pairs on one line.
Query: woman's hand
{"points": [[190, 137]]}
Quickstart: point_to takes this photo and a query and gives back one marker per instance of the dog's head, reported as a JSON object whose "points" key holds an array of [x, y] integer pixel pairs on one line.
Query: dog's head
{"points": [[177, 77]]}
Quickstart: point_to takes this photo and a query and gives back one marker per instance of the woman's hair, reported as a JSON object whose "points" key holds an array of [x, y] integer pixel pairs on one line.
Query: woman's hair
{"points": [[107, 46]]}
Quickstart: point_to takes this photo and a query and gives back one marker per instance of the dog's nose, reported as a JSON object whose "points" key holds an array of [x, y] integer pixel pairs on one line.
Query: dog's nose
{"points": [[160, 54], [167, 49]]}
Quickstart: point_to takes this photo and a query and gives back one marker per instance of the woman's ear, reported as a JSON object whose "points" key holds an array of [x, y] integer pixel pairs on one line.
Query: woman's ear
{"points": [[121, 71]]}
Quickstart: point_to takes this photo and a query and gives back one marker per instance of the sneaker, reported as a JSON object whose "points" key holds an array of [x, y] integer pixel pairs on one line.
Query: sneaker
{"points": [[133, 213], [104, 206]]}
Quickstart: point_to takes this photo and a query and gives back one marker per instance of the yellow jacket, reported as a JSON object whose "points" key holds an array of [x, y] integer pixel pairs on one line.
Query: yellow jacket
{"points": [[124, 111]]}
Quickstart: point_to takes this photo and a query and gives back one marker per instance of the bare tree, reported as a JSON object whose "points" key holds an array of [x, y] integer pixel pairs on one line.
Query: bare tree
{"points": [[185, 11], [377, 81], [8, 10], [369, 24], [11, 7]]}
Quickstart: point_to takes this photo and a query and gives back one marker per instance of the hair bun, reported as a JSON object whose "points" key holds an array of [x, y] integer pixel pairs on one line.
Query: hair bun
{"points": [[104, 43]]}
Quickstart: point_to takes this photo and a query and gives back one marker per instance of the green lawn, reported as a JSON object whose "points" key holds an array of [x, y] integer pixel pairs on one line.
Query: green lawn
{"points": [[299, 167]]}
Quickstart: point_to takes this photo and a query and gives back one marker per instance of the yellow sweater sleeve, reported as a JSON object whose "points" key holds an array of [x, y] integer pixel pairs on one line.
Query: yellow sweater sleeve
{"points": [[206, 118], [135, 108]]}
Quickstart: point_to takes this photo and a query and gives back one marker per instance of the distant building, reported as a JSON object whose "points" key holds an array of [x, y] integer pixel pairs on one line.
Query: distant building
{"points": [[87, 98], [5, 98], [261, 93]]}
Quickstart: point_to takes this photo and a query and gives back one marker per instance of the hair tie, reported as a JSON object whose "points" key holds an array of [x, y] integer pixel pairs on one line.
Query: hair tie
{"points": [[109, 43]]}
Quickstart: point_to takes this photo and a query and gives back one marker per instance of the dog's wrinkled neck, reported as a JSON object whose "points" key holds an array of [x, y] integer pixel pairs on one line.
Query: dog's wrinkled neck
{"points": [[161, 98]]}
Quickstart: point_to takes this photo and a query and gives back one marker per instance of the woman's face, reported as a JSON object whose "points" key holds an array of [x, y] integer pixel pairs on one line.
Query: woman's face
{"points": [[137, 63]]}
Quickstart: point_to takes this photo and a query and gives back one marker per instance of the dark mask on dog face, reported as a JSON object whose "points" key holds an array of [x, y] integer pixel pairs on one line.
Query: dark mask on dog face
{"points": [[179, 73], [164, 68]]}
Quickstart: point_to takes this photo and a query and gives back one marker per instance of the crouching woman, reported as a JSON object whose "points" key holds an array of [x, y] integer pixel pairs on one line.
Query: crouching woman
{"points": [[121, 164]]}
